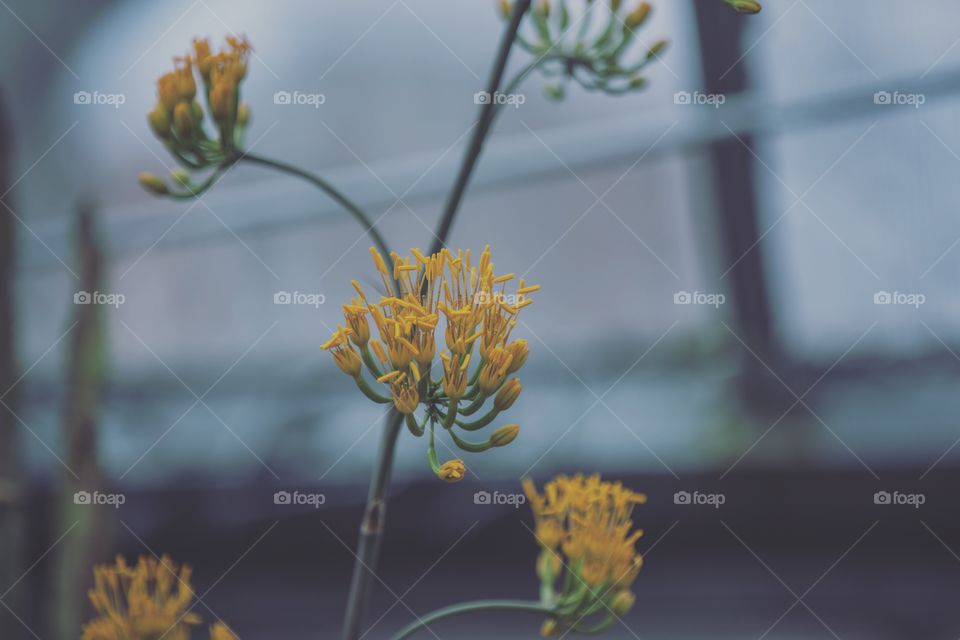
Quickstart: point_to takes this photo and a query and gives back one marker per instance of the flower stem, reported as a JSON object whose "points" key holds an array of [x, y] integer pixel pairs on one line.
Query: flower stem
{"points": [[487, 111], [371, 529], [354, 210], [368, 548], [470, 607]]}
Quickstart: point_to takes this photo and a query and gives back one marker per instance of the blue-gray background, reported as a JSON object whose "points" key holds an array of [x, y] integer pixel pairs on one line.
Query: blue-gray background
{"points": [[613, 205]]}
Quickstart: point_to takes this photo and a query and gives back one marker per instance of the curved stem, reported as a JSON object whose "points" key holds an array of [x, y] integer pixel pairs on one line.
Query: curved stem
{"points": [[330, 190], [470, 607], [371, 529]]}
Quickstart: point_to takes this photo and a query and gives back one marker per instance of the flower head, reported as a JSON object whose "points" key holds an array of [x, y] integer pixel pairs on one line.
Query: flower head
{"points": [[177, 118], [142, 602], [600, 53], [471, 307], [584, 524]]}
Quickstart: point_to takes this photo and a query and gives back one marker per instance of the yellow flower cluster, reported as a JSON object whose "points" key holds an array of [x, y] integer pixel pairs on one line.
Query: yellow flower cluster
{"points": [[177, 118], [584, 528], [148, 601], [478, 317]]}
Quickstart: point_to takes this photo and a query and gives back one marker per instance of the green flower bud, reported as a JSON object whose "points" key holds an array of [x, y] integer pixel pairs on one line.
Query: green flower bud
{"points": [[504, 435], [745, 6]]}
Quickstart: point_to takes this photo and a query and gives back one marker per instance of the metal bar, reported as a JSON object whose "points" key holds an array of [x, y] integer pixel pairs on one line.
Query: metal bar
{"points": [[508, 159]]}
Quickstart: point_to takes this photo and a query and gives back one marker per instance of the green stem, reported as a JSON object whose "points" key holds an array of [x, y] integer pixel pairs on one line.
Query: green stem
{"points": [[331, 191], [371, 529], [487, 111], [470, 607]]}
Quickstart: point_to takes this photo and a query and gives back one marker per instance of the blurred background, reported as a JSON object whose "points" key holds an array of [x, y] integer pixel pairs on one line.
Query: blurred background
{"points": [[754, 300]]}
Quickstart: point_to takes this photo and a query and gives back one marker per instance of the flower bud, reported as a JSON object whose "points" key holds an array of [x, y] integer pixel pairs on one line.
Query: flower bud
{"points": [[518, 351], [347, 359], [243, 114], [452, 471], [356, 317], [549, 628], [494, 371], [622, 602], [159, 122], [183, 119], [405, 397], [504, 435], [548, 565], [657, 49], [544, 8], [507, 395], [153, 183], [638, 16], [745, 6], [181, 177], [196, 111], [505, 8], [221, 99]]}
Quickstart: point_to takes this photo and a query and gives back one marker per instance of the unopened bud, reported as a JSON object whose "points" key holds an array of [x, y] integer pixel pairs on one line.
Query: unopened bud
{"points": [[549, 628], [638, 16], [504, 435], [621, 603], [153, 183], [183, 119], [657, 49], [745, 6], [452, 471], [505, 8], [243, 114], [181, 176], [507, 395], [159, 122]]}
